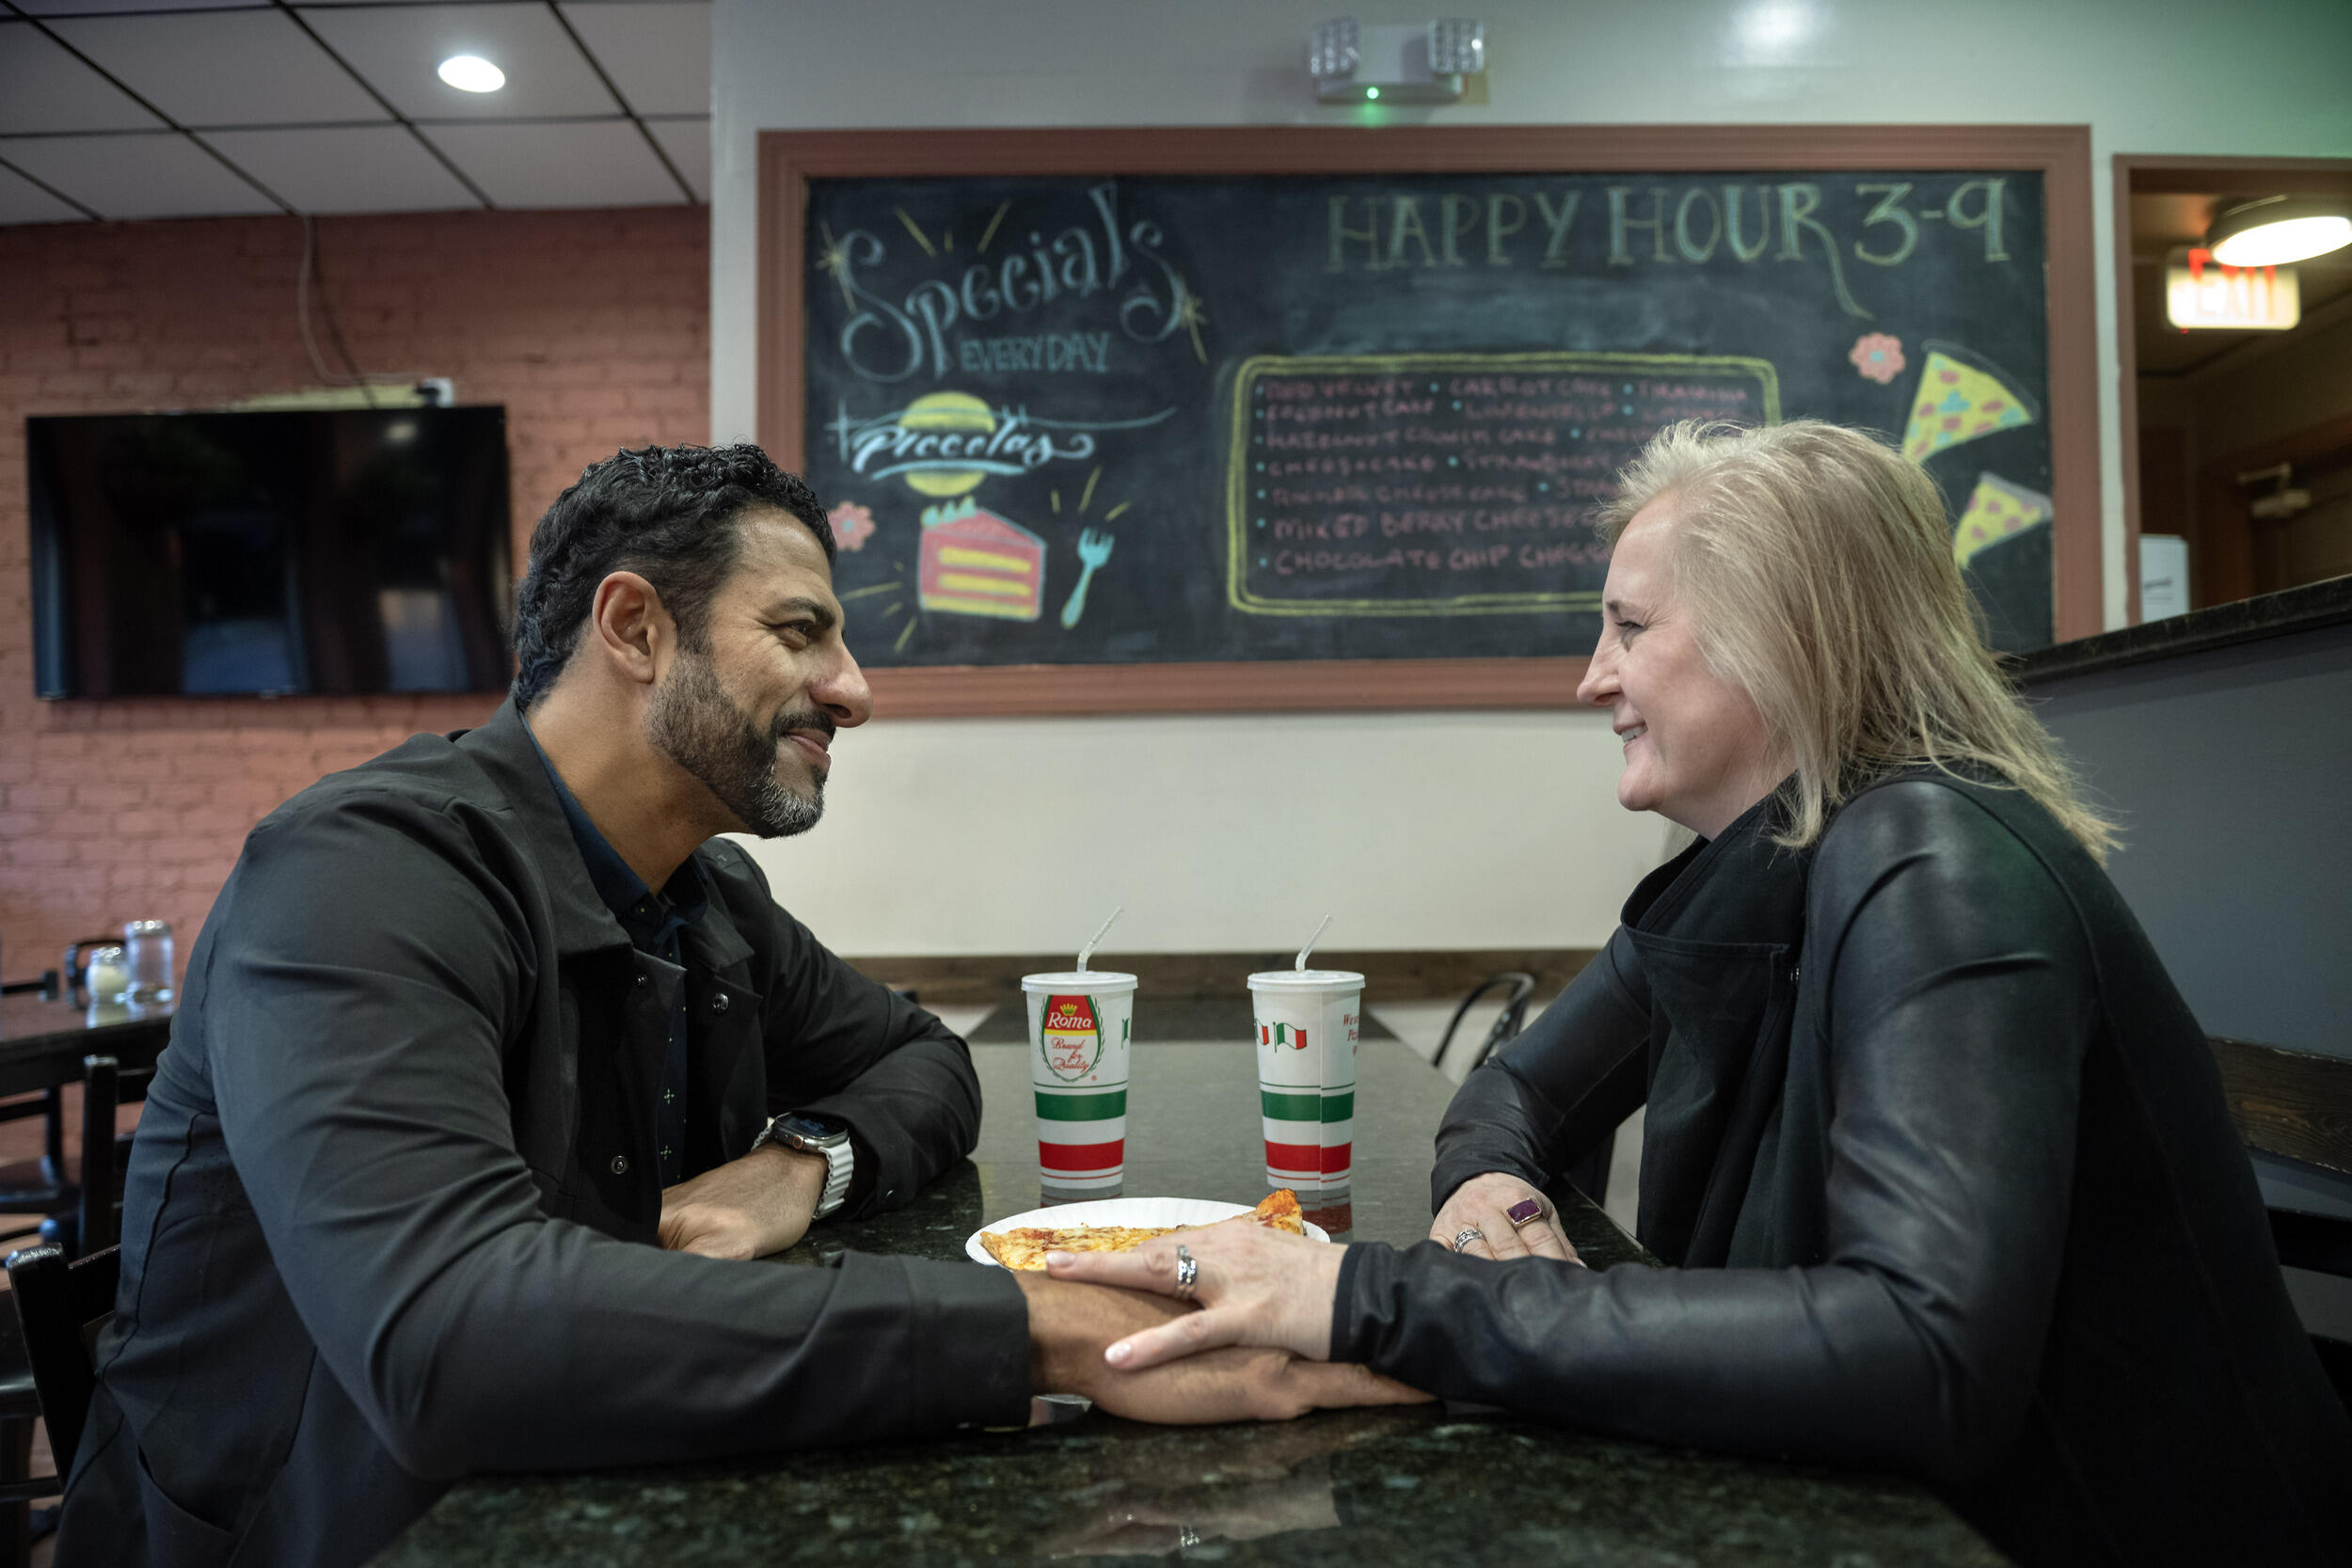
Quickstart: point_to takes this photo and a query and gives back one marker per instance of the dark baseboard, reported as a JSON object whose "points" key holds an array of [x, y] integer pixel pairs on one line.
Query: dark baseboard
{"points": [[978, 980]]}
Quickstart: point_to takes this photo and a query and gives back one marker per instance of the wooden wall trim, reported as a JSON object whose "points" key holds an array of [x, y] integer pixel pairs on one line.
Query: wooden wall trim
{"points": [[979, 980], [789, 159]]}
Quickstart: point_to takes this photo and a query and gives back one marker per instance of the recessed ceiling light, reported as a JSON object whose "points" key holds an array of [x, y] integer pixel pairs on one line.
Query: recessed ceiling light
{"points": [[2278, 229], [472, 74]]}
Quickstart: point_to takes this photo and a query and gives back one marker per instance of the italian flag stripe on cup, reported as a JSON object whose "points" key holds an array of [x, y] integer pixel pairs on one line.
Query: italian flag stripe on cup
{"points": [[1081, 1107], [1306, 1105], [1083, 1159]]}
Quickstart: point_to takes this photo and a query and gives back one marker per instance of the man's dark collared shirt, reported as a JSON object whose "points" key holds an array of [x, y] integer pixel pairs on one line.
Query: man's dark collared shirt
{"points": [[653, 922]]}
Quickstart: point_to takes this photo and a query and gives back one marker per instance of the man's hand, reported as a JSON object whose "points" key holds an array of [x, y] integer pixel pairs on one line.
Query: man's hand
{"points": [[747, 1208], [1071, 1325]]}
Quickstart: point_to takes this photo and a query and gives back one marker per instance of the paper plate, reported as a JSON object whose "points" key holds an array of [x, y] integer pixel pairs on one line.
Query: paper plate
{"points": [[1140, 1212]]}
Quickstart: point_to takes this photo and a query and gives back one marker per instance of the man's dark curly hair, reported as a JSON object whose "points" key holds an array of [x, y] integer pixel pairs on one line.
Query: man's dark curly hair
{"points": [[668, 513]]}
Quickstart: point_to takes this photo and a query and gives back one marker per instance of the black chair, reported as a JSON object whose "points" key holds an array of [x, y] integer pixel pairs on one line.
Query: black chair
{"points": [[1590, 1173], [29, 1390], [47, 1345], [1506, 1027]]}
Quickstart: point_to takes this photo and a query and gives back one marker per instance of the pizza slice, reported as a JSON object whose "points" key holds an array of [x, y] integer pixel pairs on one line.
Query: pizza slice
{"points": [[1027, 1246], [1960, 401]]}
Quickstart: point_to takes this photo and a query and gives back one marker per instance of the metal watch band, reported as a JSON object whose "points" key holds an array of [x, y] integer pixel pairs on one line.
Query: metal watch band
{"points": [[841, 1162]]}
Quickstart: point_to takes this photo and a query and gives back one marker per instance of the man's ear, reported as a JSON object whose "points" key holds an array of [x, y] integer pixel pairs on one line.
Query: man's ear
{"points": [[631, 629]]}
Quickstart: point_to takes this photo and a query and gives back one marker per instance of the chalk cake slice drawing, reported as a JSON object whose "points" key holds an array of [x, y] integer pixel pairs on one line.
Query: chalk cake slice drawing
{"points": [[1094, 549], [974, 563], [852, 525], [1960, 398], [1997, 510]]}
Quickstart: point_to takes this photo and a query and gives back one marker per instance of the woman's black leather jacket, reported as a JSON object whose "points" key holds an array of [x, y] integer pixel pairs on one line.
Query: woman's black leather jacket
{"points": [[1942, 1165]]}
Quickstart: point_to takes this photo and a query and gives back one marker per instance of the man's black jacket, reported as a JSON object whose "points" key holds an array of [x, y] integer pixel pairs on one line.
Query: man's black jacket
{"points": [[389, 1212], [1943, 1162]]}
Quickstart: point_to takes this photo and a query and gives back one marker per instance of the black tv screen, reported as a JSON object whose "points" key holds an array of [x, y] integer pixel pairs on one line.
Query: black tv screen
{"points": [[345, 551]]}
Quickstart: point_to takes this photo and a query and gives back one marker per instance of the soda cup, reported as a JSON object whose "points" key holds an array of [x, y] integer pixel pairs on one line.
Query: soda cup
{"points": [[1080, 1028], [1307, 1023]]}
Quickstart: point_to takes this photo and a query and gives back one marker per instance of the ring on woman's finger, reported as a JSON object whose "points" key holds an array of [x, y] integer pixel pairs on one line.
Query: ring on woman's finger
{"points": [[1187, 1271], [1468, 1234], [1524, 1213]]}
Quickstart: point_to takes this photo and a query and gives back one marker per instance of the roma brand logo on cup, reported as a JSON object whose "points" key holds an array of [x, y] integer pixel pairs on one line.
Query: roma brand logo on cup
{"points": [[1070, 1037]]}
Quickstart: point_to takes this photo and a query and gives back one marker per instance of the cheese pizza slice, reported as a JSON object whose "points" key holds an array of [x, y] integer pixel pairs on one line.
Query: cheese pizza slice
{"points": [[1026, 1248], [1959, 401]]}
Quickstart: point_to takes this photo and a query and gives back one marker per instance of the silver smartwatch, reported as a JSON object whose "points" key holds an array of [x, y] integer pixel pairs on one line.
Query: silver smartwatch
{"points": [[824, 1137]]}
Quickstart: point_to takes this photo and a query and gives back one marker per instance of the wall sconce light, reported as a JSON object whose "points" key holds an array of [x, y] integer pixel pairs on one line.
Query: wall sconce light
{"points": [[1353, 63], [2279, 229]]}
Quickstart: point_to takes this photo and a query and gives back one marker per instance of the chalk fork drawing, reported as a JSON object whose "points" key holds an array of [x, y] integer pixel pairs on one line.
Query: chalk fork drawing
{"points": [[1094, 548]]}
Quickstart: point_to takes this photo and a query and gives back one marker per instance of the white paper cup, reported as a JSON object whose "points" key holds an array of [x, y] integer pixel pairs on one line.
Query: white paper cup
{"points": [[1080, 1025], [1308, 1021]]}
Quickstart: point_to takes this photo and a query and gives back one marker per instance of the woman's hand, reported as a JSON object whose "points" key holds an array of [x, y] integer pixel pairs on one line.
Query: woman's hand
{"points": [[1071, 1325], [1483, 1203], [1255, 1286]]}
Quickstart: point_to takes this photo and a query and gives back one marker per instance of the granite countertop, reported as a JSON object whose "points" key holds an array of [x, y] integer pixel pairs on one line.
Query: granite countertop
{"points": [[1427, 1485], [2293, 610]]}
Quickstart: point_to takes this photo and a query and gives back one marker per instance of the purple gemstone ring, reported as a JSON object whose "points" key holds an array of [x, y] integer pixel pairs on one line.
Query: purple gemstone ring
{"points": [[1524, 1211]]}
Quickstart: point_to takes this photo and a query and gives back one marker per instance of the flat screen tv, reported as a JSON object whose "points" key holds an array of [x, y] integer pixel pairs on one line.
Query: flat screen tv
{"points": [[270, 554]]}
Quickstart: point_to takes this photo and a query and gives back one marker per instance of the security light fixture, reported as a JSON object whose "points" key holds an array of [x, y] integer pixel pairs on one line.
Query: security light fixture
{"points": [[1355, 63], [2279, 229], [472, 74]]}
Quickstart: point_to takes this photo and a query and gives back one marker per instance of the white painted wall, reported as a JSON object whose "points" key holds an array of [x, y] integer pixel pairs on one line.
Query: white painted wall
{"points": [[1446, 831]]}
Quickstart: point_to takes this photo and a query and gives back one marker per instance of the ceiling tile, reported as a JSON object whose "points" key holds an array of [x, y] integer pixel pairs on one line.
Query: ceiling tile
{"points": [[224, 68], [102, 7], [400, 48], [584, 163], [22, 201], [688, 143], [360, 168], [43, 88], [657, 52], [165, 176]]}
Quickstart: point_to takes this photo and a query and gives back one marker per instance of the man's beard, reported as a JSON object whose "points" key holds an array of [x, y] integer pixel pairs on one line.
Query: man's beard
{"points": [[697, 724]]}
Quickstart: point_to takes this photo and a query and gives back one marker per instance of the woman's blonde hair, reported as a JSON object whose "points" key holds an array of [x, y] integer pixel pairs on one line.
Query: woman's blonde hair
{"points": [[1817, 570]]}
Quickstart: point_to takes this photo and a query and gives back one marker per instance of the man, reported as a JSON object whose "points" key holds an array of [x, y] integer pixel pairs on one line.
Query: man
{"points": [[479, 1050]]}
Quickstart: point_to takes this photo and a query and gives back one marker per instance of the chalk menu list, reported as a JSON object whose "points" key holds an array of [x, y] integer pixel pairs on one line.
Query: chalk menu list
{"points": [[1173, 418], [1448, 484]]}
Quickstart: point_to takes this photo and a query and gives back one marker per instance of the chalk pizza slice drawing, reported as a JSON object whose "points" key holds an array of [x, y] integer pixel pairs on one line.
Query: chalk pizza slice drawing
{"points": [[1996, 510], [1961, 397], [974, 563]]}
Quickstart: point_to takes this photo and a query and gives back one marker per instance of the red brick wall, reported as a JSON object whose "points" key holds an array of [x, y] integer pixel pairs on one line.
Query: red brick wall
{"points": [[592, 327]]}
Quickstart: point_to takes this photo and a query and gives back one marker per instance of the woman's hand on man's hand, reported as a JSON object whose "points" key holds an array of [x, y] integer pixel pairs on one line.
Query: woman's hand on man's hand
{"points": [[1482, 1204], [1255, 1286]]}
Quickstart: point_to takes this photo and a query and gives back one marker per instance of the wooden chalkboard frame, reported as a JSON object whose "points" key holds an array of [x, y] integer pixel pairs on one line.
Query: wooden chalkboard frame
{"points": [[788, 160]]}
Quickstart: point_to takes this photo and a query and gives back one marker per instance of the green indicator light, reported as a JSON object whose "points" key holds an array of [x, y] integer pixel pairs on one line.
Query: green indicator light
{"points": [[1371, 92]]}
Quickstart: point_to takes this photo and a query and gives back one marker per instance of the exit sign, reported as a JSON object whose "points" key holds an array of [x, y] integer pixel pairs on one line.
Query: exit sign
{"points": [[2201, 292]]}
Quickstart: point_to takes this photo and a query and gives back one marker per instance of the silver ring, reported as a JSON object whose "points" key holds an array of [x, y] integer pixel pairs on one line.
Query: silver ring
{"points": [[1466, 1236], [1187, 1271]]}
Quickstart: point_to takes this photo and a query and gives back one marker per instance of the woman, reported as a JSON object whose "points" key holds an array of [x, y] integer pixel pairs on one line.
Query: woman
{"points": [[1937, 1155]]}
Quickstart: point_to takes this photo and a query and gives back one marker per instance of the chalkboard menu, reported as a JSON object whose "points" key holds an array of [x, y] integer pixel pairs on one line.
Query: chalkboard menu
{"points": [[1114, 419]]}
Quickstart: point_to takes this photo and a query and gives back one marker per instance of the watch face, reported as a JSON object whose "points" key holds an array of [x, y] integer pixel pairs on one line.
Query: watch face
{"points": [[814, 1127]]}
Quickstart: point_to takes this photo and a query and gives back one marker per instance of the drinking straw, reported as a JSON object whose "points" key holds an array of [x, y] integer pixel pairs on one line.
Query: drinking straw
{"points": [[1088, 951], [1304, 950]]}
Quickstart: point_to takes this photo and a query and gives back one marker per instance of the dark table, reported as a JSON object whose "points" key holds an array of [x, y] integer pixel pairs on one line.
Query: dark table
{"points": [[42, 1043], [1423, 1485]]}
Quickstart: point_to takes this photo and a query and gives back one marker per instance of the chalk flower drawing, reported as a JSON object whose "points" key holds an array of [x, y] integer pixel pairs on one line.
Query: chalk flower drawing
{"points": [[1878, 357], [852, 525]]}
